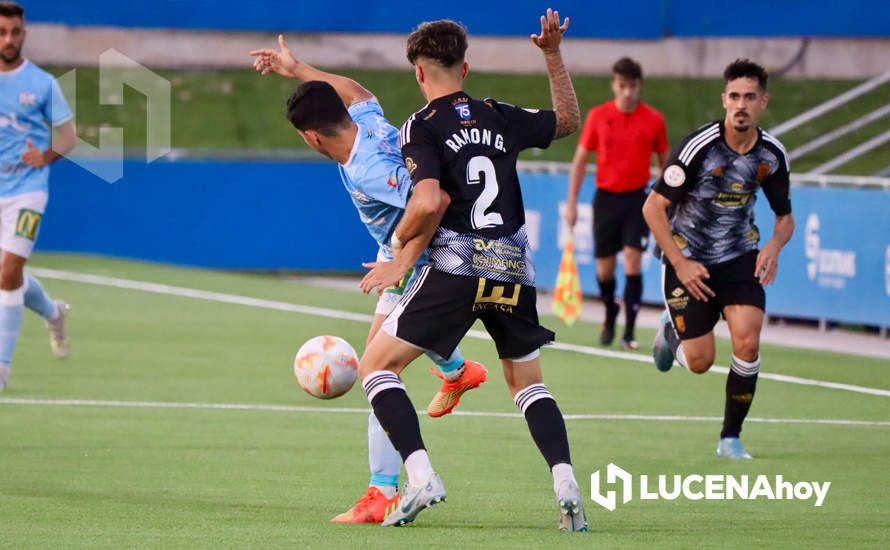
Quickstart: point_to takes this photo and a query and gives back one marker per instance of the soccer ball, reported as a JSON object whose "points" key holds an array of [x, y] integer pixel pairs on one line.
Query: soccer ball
{"points": [[326, 367]]}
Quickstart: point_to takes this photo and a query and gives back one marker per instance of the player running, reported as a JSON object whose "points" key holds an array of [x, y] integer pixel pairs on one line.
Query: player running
{"points": [[365, 146], [702, 216], [479, 262], [29, 99]]}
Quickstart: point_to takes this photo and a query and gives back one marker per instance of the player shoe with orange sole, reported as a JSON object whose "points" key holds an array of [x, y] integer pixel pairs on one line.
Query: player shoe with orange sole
{"points": [[371, 508], [449, 394]]}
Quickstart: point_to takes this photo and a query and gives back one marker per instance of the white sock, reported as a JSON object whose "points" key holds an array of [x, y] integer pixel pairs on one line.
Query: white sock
{"points": [[418, 467], [681, 356], [562, 473]]}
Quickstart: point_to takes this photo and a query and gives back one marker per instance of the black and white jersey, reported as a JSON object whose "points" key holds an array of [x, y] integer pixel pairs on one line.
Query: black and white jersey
{"points": [[713, 190], [470, 147]]}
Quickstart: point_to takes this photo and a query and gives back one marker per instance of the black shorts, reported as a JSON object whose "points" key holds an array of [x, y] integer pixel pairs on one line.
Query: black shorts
{"points": [[439, 308], [732, 281], [618, 222]]}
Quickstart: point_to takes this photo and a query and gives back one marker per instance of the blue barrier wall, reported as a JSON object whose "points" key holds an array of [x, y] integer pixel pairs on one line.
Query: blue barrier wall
{"points": [[836, 266], [278, 215], [647, 19], [234, 215]]}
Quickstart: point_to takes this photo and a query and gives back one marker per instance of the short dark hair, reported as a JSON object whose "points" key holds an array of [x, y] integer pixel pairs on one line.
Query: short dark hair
{"points": [[315, 105], [745, 68], [11, 9], [628, 68], [443, 41]]}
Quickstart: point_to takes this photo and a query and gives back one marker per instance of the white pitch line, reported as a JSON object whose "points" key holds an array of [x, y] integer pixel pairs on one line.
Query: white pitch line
{"points": [[221, 297], [355, 410]]}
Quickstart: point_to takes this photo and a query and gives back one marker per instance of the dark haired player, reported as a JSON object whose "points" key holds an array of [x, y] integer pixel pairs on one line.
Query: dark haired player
{"points": [[365, 145], [624, 133], [32, 108], [702, 216], [479, 265]]}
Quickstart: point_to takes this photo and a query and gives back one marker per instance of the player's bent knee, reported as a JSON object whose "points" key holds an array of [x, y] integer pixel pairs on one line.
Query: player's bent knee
{"points": [[699, 364], [746, 347]]}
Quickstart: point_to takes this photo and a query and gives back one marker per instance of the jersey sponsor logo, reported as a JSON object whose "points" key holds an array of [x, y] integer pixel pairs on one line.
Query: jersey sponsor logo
{"points": [[463, 110], [477, 137], [678, 292], [28, 99], [763, 170], [27, 224], [680, 323], [674, 175], [495, 297], [679, 303], [737, 187], [681, 241], [732, 200], [12, 121], [410, 165]]}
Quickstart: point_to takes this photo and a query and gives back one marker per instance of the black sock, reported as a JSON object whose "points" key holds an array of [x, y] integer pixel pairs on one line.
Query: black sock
{"points": [[394, 411], [607, 293], [739, 394], [633, 295], [545, 423]]}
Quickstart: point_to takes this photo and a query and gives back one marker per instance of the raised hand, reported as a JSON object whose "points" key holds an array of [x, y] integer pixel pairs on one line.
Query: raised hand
{"points": [[551, 32], [279, 61]]}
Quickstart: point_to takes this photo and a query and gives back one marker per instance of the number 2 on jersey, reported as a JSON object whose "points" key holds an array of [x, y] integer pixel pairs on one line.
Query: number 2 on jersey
{"points": [[477, 168]]}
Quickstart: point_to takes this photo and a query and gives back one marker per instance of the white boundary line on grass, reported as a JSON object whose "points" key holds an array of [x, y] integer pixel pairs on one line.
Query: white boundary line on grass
{"points": [[351, 410], [198, 294]]}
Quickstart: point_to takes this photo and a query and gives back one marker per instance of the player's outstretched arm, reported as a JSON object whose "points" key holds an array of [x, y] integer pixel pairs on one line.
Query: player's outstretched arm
{"points": [[562, 93], [283, 62]]}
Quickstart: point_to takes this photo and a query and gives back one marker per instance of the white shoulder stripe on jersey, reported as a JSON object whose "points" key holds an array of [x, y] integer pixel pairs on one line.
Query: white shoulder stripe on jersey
{"points": [[768, 137], [708, 132], [691, 150], [405, 132]]}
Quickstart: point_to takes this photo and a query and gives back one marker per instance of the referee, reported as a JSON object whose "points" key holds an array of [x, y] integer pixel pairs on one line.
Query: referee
{"points": [[623, 133]]}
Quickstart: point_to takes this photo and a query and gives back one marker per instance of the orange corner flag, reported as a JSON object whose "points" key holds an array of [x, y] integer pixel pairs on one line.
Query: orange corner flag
{"points": [[567, 294]]}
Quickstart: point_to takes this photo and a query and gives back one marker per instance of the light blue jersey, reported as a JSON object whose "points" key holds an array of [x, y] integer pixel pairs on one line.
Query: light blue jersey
{"points": [[375, 175], [30, 102]]}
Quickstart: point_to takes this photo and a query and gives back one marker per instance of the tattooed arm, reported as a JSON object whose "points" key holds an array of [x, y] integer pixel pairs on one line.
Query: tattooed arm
{"points": [[562, 93]]}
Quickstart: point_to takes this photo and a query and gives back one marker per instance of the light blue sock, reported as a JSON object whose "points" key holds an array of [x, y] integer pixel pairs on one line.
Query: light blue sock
{"points": [[12, 305], [450, 368], [384, 459], [37, 300]]}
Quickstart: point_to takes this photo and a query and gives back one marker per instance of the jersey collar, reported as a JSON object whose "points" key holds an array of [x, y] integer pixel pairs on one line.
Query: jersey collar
{"points": [[722, 125], [360, 130], [17, 70]]}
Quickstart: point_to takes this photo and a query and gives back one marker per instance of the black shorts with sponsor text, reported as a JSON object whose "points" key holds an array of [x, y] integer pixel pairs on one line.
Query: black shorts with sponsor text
{"points": [[732, 281], [439, 308], [618, 222]]}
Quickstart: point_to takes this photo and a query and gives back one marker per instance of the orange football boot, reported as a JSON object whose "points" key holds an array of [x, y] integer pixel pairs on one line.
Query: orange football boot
{"points": [[449, 394], [371, 508]]}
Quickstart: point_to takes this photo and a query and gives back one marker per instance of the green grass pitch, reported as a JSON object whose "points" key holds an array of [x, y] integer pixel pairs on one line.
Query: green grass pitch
{"points": [[115, 477]]}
